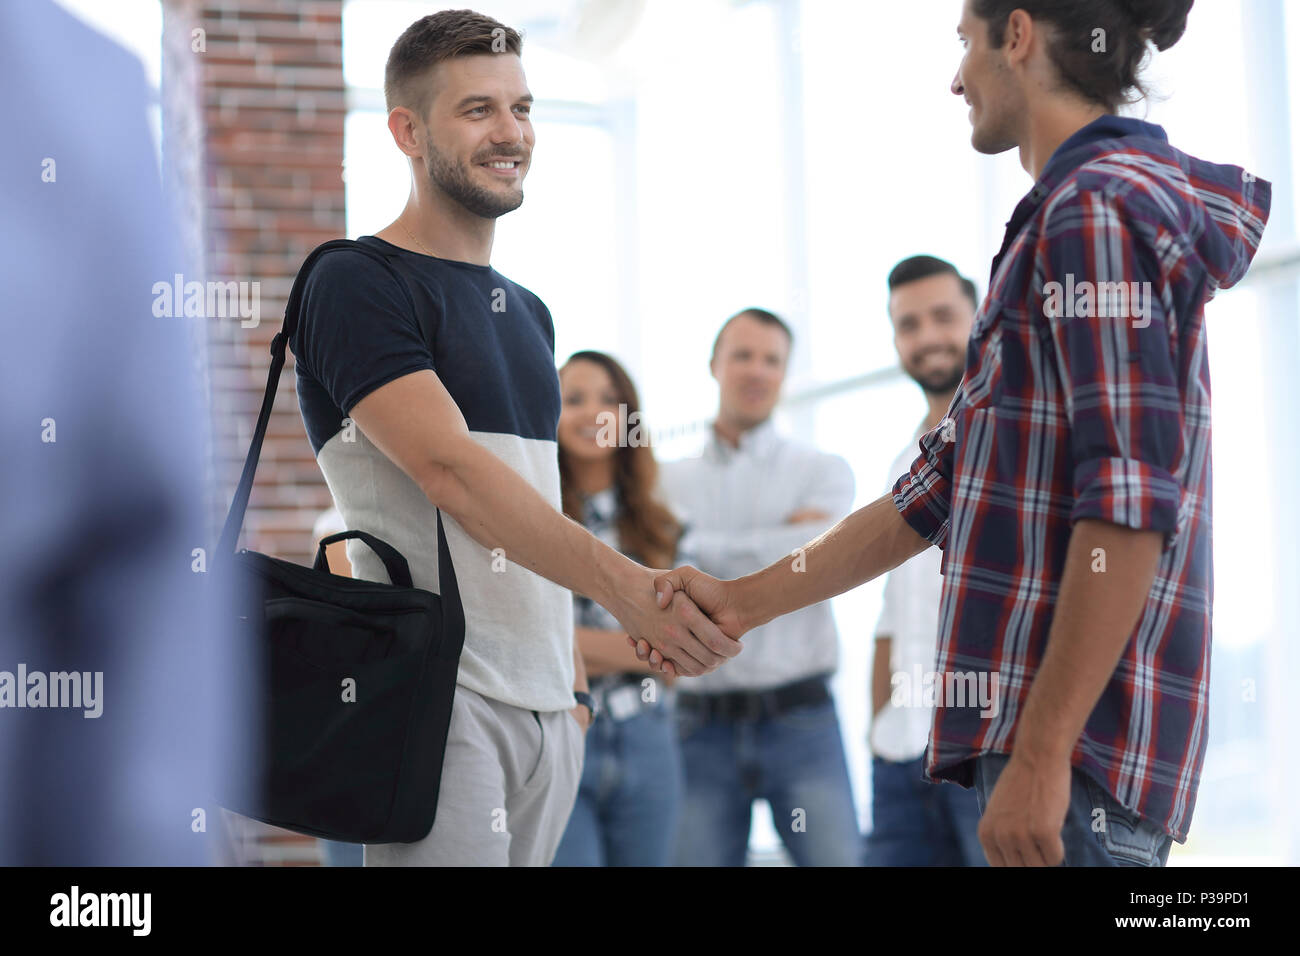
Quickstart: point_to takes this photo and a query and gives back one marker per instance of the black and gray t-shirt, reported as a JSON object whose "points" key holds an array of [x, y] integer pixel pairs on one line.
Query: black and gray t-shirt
{"points": [[492, 344]]}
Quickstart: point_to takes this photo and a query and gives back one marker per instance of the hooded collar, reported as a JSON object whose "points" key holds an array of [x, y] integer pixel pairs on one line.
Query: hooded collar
{"points": [[1225, 207], [1079, 147]]}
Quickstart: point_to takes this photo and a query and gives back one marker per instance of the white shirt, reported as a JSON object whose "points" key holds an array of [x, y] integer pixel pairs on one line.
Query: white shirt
{"points": [[910, 616], [734, 503]]}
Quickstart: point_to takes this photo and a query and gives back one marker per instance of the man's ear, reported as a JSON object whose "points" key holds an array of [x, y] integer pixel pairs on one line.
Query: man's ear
{"points": [[1019, 37], [404, 126]]}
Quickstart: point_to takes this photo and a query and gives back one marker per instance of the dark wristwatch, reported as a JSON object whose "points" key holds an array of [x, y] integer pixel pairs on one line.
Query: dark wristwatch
{"points": [[586, 700]]}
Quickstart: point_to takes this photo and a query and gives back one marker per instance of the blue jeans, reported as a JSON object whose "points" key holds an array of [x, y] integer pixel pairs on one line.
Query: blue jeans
{"points": [[1124, 837], [917, 823], [630, 794], [795, 762]]}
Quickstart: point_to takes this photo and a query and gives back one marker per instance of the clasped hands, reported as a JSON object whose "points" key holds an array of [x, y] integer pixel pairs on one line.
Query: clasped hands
{"points": [[693, 626]]}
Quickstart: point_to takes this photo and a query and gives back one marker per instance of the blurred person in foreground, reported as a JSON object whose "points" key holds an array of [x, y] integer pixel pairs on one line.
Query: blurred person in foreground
{"points": [[117, 703]]}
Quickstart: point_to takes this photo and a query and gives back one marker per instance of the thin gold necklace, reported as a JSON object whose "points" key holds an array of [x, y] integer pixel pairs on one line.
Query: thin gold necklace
{"points": [[415, 239]]}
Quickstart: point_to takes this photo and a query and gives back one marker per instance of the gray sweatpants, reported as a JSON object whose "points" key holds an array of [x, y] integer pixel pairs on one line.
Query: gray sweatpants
{"points": [[509, 781]]}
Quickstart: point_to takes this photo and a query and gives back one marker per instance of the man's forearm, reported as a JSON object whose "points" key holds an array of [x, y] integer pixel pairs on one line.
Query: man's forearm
{"points": [[1096, 611], [579, 671], [499, 509], [580, 712], [881, 679], [606, 652], [869, 542]]}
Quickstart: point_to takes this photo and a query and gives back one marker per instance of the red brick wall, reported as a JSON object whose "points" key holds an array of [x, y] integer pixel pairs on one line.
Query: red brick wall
{"points": [[273, 103]]}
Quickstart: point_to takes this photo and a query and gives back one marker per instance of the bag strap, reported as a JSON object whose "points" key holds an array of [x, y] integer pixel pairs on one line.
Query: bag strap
{"points": [[399, 572], [239, 504]]}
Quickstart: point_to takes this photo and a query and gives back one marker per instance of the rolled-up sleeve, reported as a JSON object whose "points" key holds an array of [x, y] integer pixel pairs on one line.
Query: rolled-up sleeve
{"points": [[1116, 362], [923, 495]]}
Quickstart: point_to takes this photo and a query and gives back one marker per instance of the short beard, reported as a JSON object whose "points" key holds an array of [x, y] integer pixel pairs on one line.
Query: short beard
{"points": [[941, 382], [998, 133], [452, 178]]}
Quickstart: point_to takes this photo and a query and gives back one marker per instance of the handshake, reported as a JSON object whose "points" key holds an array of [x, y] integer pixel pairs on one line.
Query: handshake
{"points": [[691, 627], [696, 620]]}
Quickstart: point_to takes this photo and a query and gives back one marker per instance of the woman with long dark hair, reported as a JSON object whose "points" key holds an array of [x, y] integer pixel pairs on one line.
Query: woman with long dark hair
{"points": [[627, 806]]}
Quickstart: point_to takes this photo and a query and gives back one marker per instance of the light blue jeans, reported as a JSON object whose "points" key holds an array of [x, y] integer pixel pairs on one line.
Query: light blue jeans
{"points": [[630, 793], [1124, 839], [795, 762]]}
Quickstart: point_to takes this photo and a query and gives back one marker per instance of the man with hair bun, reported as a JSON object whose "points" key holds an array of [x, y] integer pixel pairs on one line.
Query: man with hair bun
{"points": [[1069, 483]]}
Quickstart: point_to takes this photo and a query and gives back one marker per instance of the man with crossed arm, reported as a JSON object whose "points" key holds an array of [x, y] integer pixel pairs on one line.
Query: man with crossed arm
{"points": [[765, 727]]}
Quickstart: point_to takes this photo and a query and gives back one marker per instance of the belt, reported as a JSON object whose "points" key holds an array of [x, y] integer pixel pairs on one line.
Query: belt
{"points": [[620, 695], [755, 705]]}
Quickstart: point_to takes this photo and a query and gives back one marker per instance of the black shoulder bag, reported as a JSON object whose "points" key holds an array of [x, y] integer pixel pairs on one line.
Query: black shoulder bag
{"points": [[353, 679]]}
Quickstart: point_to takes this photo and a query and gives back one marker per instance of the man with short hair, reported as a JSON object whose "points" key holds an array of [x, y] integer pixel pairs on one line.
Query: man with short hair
{"points": [[913, 822], [1069, 486], [448, 370], [764, 726]]}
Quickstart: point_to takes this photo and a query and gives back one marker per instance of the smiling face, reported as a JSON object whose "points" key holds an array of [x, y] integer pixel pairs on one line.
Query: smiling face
{"points": [[586, 390], [478, 141], [750, 369], [985, 80], [932, 321]]}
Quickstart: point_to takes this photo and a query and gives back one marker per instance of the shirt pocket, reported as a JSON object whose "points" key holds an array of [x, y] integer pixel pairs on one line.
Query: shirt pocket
{"points": [[982, 382], [987, 318], [975, 425]]}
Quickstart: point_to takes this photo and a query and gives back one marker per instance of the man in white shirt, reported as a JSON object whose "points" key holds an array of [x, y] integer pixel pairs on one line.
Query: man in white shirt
{"points": [[915, 823], [764, 726]]}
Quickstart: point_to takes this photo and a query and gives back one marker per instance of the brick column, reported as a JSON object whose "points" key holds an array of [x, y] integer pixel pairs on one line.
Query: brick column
{"points": [[273, 106]]}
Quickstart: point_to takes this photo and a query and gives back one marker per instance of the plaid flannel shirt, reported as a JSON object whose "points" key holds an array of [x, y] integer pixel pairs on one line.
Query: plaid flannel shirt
{"points": [[1087, 399]]}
